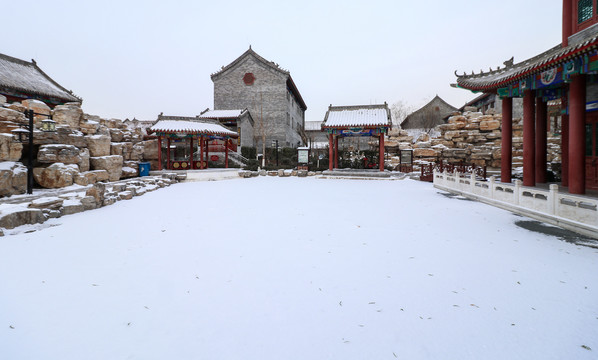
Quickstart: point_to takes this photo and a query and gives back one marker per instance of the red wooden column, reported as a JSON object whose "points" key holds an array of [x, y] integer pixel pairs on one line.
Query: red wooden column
{"points": [[191, 155], [168, 153], [381, 151], [506, 152], [577, 123], [567, 27], [207, 152], [529, 138], [159, 152], [564, 142], [541, 139], [226, 153], [330, 152], [336, 152], [201, 152]]}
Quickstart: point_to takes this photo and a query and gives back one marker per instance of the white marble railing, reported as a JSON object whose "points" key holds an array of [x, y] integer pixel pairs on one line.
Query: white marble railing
{"points": [[548, 205]]}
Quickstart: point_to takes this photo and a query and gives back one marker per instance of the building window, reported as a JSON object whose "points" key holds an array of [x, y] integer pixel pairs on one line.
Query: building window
{"points": [[584, 10], [586, 13]]}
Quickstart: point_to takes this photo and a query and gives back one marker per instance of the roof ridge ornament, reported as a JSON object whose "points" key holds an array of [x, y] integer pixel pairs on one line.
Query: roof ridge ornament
{"points": [[509, 62]]}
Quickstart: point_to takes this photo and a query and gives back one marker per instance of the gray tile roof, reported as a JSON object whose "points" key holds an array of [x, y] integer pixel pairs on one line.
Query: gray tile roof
{"points": [[27, 78], [511, 73]]}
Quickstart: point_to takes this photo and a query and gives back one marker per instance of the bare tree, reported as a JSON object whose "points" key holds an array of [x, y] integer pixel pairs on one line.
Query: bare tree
{"points": [[262, 130], [399, 111]]}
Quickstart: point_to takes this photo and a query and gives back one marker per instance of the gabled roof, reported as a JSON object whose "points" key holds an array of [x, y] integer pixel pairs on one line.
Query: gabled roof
{"points": [[26, 78], [494, 79], [422, 111], [358, 116], [270, 64], [193, 127]]}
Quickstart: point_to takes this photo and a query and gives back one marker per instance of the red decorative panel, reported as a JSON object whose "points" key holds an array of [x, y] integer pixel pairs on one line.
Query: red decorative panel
{"points": [[248, 79]]}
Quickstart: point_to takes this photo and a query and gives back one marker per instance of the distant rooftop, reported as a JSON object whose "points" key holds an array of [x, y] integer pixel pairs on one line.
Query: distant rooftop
{"points": [[25, 79], [221, 114]]}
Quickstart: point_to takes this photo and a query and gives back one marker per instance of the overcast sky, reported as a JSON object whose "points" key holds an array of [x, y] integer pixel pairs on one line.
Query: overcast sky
{"points": [[140, 58]]}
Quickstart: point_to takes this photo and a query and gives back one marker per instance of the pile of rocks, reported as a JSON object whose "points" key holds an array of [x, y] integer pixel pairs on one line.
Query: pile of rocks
{"points": [[85, 148], [279, 173], [38, 209], [470, 137]]}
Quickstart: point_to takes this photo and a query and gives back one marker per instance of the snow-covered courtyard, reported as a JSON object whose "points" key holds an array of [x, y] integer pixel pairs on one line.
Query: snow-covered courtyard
{"points": [[296, 268]]}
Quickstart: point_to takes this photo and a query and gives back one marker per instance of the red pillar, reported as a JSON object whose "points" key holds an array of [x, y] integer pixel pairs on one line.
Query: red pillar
{"points": [[381, 151], [564, 143], [541, 139], [191, 155], [529, 137], [168, 153], [201, 152], [226, 153], [577, 123], [506, 152], [336, 152], [207, 152], [159, 153], [330, 152], [567, 22]]}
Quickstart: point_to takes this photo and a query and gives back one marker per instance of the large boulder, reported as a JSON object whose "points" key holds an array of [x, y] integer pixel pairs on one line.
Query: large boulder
{"points": [[116, 135], [2, 99], [38, 107], [21, 216], [9, 149], [11, 115], [13, 178], [89, 127], [56, 175], [112, 164], [99, 145], [150, 149], [489, 124], [69, 114], [59, 153]]}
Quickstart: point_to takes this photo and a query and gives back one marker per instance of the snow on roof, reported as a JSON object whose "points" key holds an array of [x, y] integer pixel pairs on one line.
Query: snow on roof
{"points": [[193, 127], [219, 114], [313, 126], [367, 115], [28, 77]]}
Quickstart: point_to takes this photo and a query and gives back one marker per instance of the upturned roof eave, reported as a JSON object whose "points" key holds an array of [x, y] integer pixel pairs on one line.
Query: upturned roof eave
{"points": [[540, 64]]}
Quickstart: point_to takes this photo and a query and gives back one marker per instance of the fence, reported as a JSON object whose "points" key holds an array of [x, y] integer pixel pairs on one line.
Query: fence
{"points": [[576, 212]]}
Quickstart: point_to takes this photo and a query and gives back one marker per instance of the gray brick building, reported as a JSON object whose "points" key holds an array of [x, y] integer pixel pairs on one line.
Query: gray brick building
{"points": [[269, 93]]}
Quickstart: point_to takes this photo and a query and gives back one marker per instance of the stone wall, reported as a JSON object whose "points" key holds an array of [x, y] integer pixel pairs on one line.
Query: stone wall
{"points": [[83, 150], [472, 138]]}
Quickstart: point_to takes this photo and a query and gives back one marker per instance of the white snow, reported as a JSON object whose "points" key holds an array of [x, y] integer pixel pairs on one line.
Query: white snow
{"points": [[217, 114], [357, 117], [295, 268], [191, 127]]}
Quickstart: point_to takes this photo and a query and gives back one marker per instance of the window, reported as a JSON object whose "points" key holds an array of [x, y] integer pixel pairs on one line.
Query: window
{"points": [[584, 10], [586, 14]]}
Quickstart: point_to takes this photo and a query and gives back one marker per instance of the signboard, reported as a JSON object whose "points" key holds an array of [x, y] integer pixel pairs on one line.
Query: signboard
{"points": [[406, 157], [302, 155]]}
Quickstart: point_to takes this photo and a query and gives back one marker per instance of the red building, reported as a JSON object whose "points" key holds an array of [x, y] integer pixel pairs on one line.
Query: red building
{"points": [[568, 71]]}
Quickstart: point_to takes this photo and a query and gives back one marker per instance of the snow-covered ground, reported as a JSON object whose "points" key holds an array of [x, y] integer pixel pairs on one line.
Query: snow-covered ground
{"points": [[296, 268]]}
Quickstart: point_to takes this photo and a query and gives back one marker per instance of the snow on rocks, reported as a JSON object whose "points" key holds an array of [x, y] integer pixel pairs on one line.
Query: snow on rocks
{"points": [[80, 199], [56, 175]]}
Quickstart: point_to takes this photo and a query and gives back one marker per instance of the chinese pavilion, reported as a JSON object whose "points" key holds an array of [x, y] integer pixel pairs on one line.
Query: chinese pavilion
{"points": [[348, 121], [568, 72], [187, 133]]}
